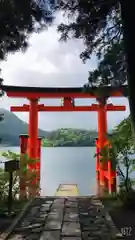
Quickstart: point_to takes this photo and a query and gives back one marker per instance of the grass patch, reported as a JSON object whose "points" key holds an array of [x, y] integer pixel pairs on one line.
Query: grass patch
{"points": [[17, 206], [111, 202], [121, 201]]}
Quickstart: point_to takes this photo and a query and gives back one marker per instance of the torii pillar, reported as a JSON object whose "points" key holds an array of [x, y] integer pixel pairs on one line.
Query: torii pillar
{"points": [[33, 139], [34, 143], [105, 175], [37, 167], [102, 132], [33, 129]]}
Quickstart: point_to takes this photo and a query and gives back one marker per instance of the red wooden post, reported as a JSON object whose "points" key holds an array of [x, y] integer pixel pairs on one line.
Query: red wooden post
{"points": [[33, 136], [102, 131], [97, 158], [23, 151], [112, 183], [39, 147], [97, 168], [33, 129], [38, 164]]}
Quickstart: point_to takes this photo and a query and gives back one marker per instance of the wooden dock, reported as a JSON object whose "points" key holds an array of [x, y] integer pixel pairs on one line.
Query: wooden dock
{"points": [[67, 190]]}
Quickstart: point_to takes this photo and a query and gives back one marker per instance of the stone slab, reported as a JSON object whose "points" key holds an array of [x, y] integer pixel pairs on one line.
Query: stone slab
{"points": [[71, 229], [50, 235], [52, 225], [73, 217], [71, 204], [65, 219], [71, 238]]}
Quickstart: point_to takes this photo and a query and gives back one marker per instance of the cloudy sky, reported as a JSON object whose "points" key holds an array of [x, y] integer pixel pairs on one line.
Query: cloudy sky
{"points": [[48, 62]]}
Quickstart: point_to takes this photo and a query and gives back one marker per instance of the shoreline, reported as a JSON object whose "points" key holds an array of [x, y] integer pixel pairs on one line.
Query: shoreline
{"points": [[45, 146]]}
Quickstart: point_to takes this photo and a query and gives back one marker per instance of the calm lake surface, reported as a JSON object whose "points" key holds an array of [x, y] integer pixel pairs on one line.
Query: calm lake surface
{"points": [[65, 165]]}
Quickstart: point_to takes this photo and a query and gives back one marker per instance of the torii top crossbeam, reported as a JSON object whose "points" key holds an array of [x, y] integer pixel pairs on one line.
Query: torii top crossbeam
{"points": [[60, 92]]}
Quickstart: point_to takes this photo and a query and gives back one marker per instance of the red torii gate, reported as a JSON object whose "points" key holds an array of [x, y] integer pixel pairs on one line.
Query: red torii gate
{"points": [[33, 94]]}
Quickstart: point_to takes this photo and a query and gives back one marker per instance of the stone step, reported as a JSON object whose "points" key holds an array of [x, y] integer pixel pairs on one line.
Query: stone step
{"points": [[55, 218]]}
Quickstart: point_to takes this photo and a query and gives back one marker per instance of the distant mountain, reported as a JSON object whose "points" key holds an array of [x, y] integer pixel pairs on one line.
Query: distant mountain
{"points": [[11, 127]]}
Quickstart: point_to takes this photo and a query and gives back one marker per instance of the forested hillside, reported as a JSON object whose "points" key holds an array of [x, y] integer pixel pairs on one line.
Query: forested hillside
{"points": [[70, 137]]}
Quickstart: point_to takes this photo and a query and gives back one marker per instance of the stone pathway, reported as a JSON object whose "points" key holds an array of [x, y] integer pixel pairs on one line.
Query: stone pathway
{"points": [[65, 219]]}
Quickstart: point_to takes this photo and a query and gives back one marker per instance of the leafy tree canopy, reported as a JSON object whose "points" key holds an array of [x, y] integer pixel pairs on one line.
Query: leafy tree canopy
{"points": [[17, 20], [99, 24], [121, 155], [122, 135], [112, 69]]}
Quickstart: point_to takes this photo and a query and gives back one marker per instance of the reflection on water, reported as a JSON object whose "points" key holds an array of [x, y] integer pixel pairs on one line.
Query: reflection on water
{"points": [[67, 165]]}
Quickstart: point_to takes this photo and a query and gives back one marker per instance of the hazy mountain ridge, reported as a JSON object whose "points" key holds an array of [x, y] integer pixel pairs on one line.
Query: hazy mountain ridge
{"points": [[11, 127]]}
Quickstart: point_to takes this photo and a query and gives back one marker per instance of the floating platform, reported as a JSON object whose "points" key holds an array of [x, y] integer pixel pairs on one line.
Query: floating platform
{"points": [[67, 190]]}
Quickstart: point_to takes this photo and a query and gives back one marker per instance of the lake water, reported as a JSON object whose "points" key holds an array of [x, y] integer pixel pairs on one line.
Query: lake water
{"points": [[65, 165]]}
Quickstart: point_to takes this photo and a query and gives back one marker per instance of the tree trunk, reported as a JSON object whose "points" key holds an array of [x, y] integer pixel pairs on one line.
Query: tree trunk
{"points": [[128, 19], [127, 176]]}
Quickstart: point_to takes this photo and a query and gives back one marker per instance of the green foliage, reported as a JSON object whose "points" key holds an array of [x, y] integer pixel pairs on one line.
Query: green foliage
{"points": [[122, 158], [112, 69], [23, 172], [4, 183], [70, 137], [106, 29], [124, 145], [17, 20], [124, 141], [98, 23]]}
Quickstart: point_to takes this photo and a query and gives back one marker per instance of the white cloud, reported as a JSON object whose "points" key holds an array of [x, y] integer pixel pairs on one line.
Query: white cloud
{"points": [[48, 62]]}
